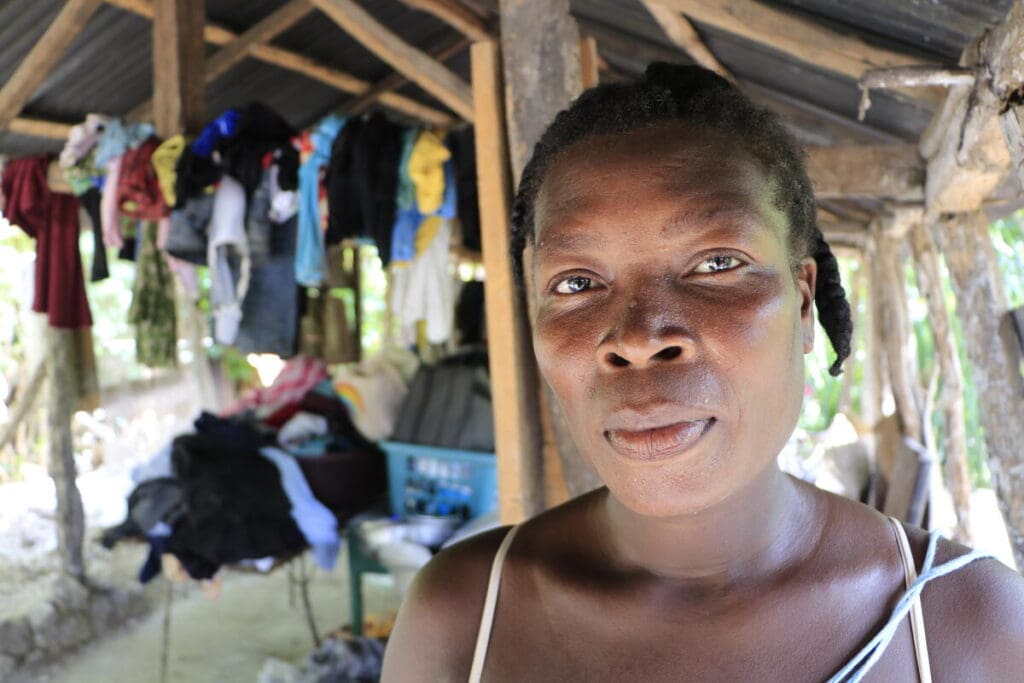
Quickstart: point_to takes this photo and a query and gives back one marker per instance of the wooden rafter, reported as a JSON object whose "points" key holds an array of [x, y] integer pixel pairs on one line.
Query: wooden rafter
{"points": [[681, 32], [456, 15], [43, 56], [895, 171], [292, 61], [395, 80], [40, 128], [415, 64], [796, 36]]}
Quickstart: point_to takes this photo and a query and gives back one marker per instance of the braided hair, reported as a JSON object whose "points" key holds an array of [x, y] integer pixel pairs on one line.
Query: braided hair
{"points": [[693, 95]]}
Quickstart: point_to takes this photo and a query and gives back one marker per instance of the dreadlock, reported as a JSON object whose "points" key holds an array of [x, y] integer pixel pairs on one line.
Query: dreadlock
{"points": [[692, 95]]}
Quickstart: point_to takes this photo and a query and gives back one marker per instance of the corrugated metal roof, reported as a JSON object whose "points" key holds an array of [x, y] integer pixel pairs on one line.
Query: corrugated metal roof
{"points": [[108, 67]]}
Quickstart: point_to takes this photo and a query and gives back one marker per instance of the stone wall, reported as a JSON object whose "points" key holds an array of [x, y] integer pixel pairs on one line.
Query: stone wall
{"points": [[74, 616]]}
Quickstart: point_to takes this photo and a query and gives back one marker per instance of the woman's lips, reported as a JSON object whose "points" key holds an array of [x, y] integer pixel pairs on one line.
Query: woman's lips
{"points": [[660, 443]]}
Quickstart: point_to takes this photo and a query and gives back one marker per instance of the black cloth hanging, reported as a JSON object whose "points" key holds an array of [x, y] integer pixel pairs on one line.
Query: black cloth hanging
{"points": [[362, 181], [463, 148]]}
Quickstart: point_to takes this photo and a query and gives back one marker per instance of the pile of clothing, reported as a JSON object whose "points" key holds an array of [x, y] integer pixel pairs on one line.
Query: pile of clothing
{"points": [[274, 474]]}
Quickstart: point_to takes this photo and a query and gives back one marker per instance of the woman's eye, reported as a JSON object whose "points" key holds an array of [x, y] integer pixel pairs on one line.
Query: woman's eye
{"points": [[717, 264], [573, 285]]}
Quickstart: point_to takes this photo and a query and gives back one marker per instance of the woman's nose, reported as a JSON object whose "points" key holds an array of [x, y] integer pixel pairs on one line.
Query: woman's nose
{"points": [[645, 336]]}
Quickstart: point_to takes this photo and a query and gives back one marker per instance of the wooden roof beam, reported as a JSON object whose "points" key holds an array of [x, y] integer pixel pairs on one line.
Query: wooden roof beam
{"points": [[894, 171], [239, 48], [43, 56], [396, 80], [292, 61], [969, 142], [796, 36], [681, 32], [456, 15], [40, 128], [415, 64]]}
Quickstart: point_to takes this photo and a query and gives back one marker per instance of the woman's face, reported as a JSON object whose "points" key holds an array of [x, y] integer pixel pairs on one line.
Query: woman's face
{"points": [[668, 319]]}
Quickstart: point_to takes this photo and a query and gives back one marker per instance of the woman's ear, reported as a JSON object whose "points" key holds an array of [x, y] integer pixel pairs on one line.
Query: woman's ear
{"points": [[806, 278]]}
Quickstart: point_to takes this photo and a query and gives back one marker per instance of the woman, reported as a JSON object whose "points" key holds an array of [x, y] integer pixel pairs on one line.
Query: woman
{"points": [[666, 230]]}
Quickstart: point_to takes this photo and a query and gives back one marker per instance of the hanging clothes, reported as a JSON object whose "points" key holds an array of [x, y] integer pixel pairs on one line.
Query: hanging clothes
{"points": [[52, 219], [463, 147], [165, 160], [260, 130], [109, 213], [309, 250], [228, 244], [139, 195], [90, 201], [118, 138], [424, 289], [82, 139], [362, 182], [270, 309], [152, 312]]}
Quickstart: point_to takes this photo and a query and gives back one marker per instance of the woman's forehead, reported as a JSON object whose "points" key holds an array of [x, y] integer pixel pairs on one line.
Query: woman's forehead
{"points": [[678, 172]]}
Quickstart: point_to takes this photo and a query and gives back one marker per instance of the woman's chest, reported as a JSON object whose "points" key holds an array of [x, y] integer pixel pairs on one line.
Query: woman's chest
{"points": [[789, 636]]}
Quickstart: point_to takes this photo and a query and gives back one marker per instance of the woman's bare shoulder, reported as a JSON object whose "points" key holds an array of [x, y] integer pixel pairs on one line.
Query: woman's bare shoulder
{"points": [[437, 624], [974, 617]]}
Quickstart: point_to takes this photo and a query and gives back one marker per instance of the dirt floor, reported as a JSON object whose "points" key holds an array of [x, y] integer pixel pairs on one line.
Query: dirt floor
{"points": [[225, 639]]}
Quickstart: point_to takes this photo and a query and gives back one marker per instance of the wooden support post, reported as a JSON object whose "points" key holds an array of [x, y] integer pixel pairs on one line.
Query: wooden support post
{"points": [[929, 282], [895, 330], [513, 372], [43, 56], [178, 54], [995, 359], [416, 65], [539, 84], [63, 381]]}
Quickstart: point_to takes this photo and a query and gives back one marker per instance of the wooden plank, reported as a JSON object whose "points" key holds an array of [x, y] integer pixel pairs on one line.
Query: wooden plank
{"points": [[40, 128], [456, 15], [895, 171], [179, 95], [361, 103], [590, 61], [514, 378], [807, 41], [681, 32], [43, 57], [265, 30], [433, 77], [995, 359], [293, 61]]}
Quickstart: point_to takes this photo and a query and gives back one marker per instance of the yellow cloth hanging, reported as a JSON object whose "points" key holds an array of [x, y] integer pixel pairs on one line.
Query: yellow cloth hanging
{"points": [[426, 170], [165, 159]]}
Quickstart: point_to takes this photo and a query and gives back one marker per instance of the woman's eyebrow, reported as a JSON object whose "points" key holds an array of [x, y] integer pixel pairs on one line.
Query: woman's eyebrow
{"points": [[733, 220], [568, 241]]}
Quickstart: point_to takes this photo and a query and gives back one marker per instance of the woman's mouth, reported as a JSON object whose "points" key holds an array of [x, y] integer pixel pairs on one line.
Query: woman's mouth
{"points": [[658, 443]]}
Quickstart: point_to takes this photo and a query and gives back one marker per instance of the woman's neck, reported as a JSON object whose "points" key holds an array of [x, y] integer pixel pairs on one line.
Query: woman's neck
{"points": [[756, 533]]}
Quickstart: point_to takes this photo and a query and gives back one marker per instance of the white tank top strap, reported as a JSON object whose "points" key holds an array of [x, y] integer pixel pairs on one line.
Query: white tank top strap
{"points": [[483, 636], [924, 668]]}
